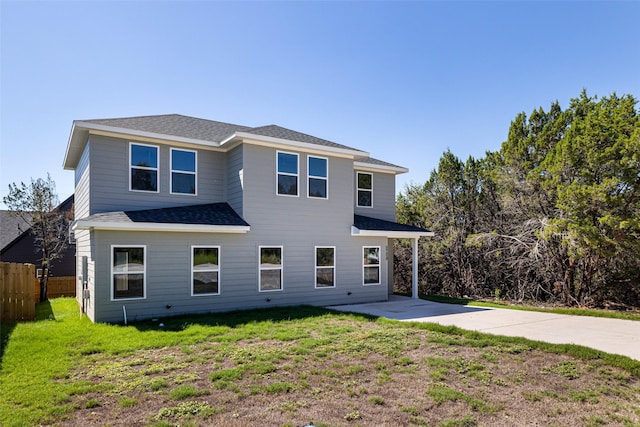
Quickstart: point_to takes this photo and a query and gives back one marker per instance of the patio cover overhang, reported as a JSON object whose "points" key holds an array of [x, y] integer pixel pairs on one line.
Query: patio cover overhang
{"points": [[364, 226]]}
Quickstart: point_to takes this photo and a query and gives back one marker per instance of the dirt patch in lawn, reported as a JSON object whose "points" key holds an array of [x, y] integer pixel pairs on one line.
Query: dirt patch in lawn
{"points": [[350, 372]]}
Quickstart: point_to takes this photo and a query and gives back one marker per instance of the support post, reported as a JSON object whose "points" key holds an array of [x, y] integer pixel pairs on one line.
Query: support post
{"points": [[414, 270]]}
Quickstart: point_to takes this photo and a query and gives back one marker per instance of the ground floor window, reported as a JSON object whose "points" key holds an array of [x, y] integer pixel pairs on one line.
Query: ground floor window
{"points": [[205, 270], [128, 272], [325, 266], [270, 268], [371, 265]]}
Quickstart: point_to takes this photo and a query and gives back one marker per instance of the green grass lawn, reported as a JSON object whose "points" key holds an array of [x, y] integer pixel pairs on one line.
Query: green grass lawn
{"points": [[293, 366], [558, 310]]}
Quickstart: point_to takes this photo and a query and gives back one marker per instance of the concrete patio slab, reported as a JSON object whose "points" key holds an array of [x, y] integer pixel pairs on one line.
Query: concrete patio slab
{"points": [[609, 335]]}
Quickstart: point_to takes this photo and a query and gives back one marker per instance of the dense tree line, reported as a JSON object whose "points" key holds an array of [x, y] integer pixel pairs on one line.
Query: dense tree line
{"points": [[554, 215]]}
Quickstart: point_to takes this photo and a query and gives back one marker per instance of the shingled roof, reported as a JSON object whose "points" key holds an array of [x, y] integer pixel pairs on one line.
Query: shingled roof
{"points": [[366, 223], [208, 214], [377, 162], [175, 125], [207, 132], [11, 227], [275, 131]]}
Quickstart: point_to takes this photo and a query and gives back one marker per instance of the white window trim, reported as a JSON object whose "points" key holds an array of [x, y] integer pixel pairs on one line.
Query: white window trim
{"points": [[378, 266], [219, 269], [363, 189], [157, 169], [195, 174], [315, 257], [309, 176], [297, 175], [281, 268], [144, 273]]}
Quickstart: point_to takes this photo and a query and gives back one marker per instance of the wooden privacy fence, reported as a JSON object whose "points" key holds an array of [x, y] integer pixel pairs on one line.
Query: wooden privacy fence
{"points": [[17, 292], [58, 287]]}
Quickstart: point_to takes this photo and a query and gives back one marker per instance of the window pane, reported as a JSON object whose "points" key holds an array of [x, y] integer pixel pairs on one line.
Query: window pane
{"points": [[318, 188], [128, 260], [287, 163], [324, 257], [183, 160], [371, 275], [317, 167], [205, 259], [371, 256], [142, 155], [183, 183], [144, 180], [364, 181], [288, 185], [364, 198], [324, 277], [128, 285], [270, 257], [205, 282], [270, 280]]}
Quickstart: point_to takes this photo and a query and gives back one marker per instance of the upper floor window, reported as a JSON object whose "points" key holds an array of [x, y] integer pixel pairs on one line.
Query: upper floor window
{"points": [[287, 174], [183, 171], [318, 174], [143, 165], [365, 189]]}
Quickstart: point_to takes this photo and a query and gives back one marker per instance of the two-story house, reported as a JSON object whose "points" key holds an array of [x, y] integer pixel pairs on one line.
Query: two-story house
{"points": [[176, 215]]}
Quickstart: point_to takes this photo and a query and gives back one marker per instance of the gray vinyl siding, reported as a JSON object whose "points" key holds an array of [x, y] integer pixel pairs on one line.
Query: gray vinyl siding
{"points": [[168, 273], [298, 224], [84, 244], [82, 185], [301, 223], [384, 196], [234, 184], [110, 178]]}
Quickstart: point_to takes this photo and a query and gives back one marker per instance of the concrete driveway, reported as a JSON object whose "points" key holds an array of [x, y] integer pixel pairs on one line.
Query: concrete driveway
{"points": [[609, 335]]}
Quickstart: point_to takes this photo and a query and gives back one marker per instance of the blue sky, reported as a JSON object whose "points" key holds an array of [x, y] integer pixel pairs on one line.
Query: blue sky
{"points": [[402, 80]]}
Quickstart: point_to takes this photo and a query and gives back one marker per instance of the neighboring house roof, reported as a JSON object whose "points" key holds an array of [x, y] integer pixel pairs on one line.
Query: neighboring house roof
{"points": [[185, 129], [367, 226], [24, 249], [16, 226], [11, 227], [212, 217]]}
